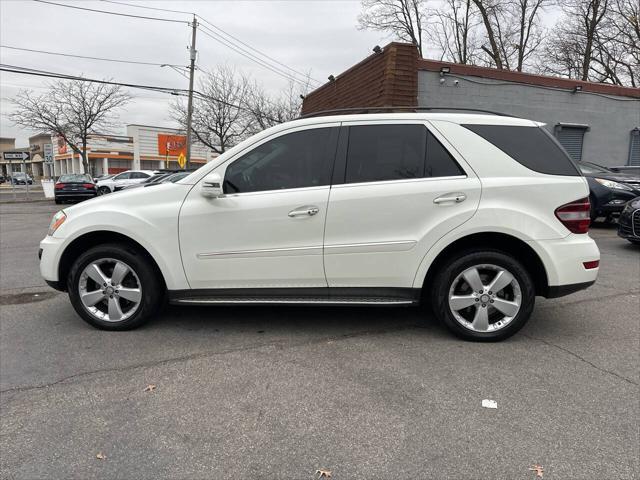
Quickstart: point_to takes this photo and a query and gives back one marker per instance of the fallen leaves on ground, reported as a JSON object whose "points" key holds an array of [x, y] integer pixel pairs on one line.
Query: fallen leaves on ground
{"points": [[101, 456], [539, 469], [323, 473], [150, 388]]}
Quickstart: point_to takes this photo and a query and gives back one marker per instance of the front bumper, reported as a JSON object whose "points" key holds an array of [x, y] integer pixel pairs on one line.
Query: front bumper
{"points": [[50, 253]]}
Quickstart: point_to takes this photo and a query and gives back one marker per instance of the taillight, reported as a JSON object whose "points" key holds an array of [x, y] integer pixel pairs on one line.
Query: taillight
{"points": [[88, 185], [58, 186], [575, 215]]}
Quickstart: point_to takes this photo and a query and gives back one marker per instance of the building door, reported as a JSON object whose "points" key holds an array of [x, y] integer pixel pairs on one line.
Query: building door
{"points": [[634, 148], [571, 138]]}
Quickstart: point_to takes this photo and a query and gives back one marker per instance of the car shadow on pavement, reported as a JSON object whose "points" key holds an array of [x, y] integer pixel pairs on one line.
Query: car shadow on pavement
{"points": [[296, 320]]}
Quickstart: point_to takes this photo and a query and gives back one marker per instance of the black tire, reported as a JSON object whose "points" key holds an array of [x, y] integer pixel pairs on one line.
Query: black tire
{"points": [[103, 190], [458, 264], [151, 285]]}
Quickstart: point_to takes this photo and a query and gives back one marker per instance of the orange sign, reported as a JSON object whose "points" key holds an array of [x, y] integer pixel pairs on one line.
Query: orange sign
{"points": [[62, 146], [172, 145]]}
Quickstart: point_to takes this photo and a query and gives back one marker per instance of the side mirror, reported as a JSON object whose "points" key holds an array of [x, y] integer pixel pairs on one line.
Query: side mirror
{"points": [[211, 186]]}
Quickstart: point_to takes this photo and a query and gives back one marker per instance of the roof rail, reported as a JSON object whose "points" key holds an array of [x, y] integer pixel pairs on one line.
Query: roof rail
{"points": [[356, 110]]}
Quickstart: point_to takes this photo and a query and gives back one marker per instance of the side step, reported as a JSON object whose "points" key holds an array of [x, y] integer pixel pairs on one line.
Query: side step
{"points": [[292, 301]]}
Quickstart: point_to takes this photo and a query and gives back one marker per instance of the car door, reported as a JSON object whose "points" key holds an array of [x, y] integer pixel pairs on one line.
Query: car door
{"points": [[397, 188], [266, 231], [121, 180]]}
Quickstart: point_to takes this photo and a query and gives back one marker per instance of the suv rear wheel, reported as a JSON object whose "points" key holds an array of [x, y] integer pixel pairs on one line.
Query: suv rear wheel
{"points": [[483, 295], [114, 287]]}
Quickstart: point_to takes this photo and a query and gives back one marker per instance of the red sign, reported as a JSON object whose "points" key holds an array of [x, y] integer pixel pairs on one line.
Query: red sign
{"points": [[62, 146], [172, 145]]}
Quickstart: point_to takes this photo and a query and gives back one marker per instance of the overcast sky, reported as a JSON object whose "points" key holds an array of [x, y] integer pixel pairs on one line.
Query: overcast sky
{"points": [[311, 36]]}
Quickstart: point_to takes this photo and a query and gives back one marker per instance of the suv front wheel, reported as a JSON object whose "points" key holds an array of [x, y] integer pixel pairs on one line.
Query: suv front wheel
{"points": [[483, 295], [114, 287]]}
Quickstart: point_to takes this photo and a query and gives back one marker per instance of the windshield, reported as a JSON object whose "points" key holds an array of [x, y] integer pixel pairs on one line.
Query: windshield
{"points": [[175, 177], [79, 178]]}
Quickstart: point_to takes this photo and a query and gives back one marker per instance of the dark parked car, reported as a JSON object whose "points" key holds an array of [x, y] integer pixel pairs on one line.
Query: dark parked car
{"points": [[629, 221], [21, 178], [609, 190], [2, 179], [74, 186]]}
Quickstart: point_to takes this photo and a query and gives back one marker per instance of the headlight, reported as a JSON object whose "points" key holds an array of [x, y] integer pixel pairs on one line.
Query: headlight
{"points": [[57, 220], [612, 184]]}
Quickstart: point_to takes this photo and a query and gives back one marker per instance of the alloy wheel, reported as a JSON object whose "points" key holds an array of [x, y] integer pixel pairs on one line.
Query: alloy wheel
{"points": [[485, 298], [110, 290]]}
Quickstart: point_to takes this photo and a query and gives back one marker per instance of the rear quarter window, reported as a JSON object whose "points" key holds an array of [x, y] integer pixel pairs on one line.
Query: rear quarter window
{"points": [[530, 146]]}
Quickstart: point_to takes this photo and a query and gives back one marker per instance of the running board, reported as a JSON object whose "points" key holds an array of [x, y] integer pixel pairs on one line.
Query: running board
{"points": [[292, 301]]}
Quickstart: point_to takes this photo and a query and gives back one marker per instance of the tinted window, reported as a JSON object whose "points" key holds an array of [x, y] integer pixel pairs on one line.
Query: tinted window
{"points": [[530, 146], [294, 160], [385, 152], [139, 175], [123, 176], [395, 152], [439, 163], [78, 178]]}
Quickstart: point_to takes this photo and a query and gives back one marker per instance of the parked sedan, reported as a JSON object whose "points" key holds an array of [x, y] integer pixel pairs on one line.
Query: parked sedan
{"points": [[629, 222], [609, 191], [74, 186], [121, 180], [21, 178]]}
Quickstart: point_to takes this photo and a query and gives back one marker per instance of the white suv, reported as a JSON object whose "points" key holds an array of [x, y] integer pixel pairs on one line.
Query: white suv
{"points": [[472, 214], [122, 180]]}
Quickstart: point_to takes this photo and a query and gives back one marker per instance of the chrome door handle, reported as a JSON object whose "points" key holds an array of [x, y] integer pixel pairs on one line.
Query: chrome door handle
{"points": [[309, 210], [450, 198]]}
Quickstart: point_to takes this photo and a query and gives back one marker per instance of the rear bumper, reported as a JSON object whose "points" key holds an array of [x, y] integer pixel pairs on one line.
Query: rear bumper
{"points": [[563, 260], [81, 194], [562, 290]]}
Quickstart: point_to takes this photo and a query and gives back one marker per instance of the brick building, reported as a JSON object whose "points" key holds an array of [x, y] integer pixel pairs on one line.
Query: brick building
{"points": [[594, 122]]}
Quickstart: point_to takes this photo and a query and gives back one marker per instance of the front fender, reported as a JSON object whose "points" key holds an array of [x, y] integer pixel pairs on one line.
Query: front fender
{"points": [[148, 217]]}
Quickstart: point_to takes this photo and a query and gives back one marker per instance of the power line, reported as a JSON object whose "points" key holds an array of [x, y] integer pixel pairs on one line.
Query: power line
{"points": [[44, 73], [210, 33], [224, 32], [304, 75], [148, 8], [90, 58], [111, 13], [173, 91]]}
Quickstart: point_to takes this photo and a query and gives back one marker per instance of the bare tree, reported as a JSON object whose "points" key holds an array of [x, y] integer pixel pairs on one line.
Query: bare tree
{"points": [[572, 46], [219, 119], [512, 30], [616, 56], [266, 110], [489, 13], [71, 110], [401, 18], [454, 30]]}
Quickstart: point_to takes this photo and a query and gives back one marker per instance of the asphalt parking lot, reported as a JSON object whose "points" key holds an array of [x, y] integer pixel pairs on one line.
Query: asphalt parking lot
{"points": [[282, 392]]}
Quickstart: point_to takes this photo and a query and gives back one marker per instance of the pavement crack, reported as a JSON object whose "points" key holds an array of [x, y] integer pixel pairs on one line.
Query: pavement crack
{"points": [[582, 359], [200, 355]]}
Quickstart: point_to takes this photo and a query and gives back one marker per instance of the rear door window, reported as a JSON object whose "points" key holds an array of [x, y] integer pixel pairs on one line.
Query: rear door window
{"points": [[532, 147], [396, 152]]}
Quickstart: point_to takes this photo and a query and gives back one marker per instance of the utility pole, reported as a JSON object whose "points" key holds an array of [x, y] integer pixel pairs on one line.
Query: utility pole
{"points": [[192, 68]]}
